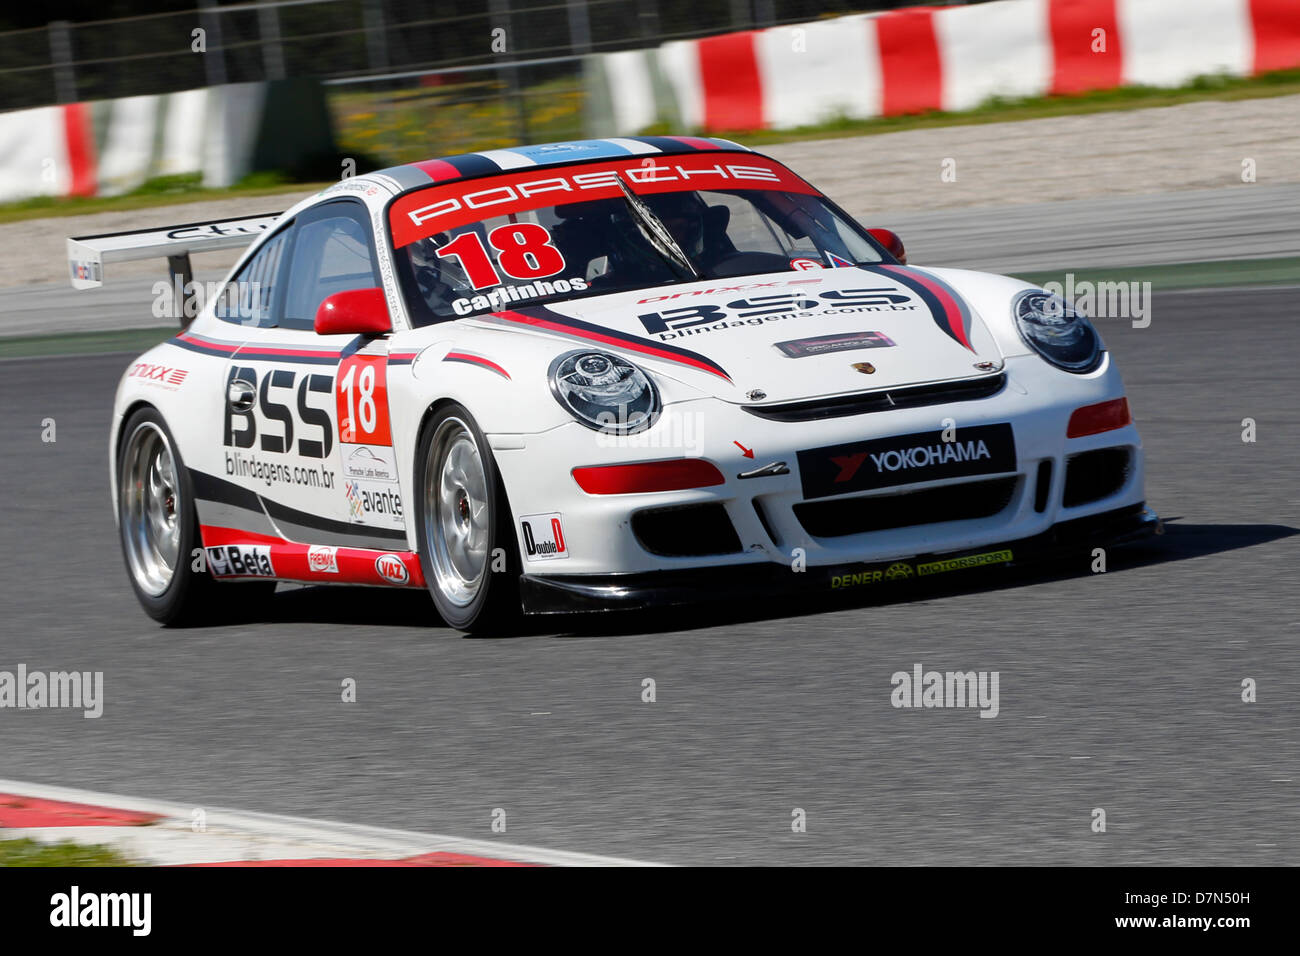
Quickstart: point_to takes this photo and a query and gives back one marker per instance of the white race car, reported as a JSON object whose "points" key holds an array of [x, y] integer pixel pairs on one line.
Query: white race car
{"points": [[600, 374]]}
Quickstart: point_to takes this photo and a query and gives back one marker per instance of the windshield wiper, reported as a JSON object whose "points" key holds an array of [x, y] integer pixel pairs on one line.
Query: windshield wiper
{"points": [[656, 233]]}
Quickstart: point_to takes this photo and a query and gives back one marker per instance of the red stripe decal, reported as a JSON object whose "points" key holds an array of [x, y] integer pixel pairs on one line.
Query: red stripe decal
{"points": [[227, 347], [1277, 34], [694, 142], [1082, 58], [438, 170], [952, 309], [81, 150], [214, 536], [646, 348], [475, 360], [733, 93], [910, 68], [253, 349]]}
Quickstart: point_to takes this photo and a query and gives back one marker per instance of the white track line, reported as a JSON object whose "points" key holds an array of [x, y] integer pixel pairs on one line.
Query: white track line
{"points": [[233, 835]]}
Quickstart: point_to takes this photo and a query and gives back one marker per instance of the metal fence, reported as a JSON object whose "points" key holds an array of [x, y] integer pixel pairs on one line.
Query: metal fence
{"points": [[500, 71]]}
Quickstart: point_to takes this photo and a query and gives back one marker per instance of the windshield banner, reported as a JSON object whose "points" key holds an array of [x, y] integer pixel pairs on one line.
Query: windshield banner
{"points": [[427, 212]]}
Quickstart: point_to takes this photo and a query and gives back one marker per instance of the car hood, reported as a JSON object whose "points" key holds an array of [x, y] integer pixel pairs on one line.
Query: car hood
{"points": [[789, 335]]}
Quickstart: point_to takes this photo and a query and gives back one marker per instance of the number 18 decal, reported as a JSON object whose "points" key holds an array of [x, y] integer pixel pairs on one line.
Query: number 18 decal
{"points": [[362, 395], [524, 251]]}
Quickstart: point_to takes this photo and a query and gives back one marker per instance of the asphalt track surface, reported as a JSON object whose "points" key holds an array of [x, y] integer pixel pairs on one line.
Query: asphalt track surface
{"points": [[1119, 691]]}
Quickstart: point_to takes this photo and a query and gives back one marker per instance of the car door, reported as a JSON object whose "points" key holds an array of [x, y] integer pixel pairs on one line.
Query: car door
{"points": [[311, 436]]}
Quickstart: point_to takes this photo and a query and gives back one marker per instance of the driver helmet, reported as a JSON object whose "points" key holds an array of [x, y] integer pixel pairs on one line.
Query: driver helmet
{"points": [[683, 214]]}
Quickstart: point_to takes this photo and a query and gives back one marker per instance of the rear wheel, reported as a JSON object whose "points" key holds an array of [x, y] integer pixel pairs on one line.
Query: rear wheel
{"points": [[467, 548], [159, 527]]}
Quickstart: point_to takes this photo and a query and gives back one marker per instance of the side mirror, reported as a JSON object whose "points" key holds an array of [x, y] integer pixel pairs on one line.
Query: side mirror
{"points": [[355, 312], [889, 239]]}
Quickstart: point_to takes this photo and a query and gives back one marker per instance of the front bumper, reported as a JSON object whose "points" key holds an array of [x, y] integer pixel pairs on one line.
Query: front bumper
{"points": [[564, 594]]}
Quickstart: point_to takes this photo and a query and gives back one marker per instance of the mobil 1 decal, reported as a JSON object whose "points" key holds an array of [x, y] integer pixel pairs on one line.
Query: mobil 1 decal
{"points": [[370, 489]]}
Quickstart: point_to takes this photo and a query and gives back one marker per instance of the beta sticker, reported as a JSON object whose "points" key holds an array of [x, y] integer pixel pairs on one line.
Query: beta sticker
{"points": [[543, 537]]}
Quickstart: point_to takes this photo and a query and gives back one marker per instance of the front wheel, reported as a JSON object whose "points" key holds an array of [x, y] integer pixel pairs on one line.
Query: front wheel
{"points": [[467, 547]]}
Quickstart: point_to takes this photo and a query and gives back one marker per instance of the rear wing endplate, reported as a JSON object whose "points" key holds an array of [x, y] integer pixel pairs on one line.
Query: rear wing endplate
{"points": [[88, 254]]}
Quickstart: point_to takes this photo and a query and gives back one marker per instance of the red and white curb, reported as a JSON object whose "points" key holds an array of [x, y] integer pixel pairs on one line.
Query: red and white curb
{"points": [[157, 833]]}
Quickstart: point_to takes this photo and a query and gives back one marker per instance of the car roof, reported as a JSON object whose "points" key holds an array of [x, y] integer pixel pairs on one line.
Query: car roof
{"points": [[490, 162]]}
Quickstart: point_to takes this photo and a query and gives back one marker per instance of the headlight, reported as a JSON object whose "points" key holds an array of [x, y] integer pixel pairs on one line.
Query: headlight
{"points": [[1056, 330], [604, 392]]}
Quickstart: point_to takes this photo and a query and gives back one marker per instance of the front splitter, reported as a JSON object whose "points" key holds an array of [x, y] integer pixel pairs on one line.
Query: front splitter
{"points": [[577, 593]]}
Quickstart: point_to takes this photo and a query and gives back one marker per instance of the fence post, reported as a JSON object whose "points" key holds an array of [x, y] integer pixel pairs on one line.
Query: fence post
{"points": [[214, 60], [65, 79], [741, 16], [508, 76], [268, 23], [579, 28], [372, 19]]}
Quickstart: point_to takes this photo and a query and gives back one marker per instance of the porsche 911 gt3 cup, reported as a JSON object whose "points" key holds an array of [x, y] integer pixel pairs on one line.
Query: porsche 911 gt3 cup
{"points": [[600, 374]]}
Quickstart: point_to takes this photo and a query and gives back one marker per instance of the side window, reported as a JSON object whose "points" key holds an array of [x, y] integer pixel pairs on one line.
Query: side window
{"points": [[330, 254], [249, 298]]}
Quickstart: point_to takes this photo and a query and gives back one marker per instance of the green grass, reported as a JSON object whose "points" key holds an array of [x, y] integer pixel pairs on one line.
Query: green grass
{"points": [[31, 853], [72, 343], [414, 124]]}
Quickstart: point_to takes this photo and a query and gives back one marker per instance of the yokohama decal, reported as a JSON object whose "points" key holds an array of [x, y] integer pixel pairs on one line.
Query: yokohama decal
{"points": [[948, 308], [540, 317], [469, 358]]}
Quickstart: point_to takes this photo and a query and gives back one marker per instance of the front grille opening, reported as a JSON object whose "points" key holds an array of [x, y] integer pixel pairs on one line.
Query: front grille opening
{"points": [[1094, 475], [1042, 486], [964, 502], [884, 400], [686, 531]]}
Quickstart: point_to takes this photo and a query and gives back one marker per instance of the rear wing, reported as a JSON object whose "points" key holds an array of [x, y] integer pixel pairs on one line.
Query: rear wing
{"points": [[88, 254]]}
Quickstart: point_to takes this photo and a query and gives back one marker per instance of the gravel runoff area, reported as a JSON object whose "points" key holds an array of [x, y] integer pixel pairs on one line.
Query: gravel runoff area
{"points": [[1189, 146]]}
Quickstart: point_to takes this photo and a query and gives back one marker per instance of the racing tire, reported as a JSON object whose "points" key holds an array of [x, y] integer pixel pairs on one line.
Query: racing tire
{"points": [[158, 528], [464, 527]]}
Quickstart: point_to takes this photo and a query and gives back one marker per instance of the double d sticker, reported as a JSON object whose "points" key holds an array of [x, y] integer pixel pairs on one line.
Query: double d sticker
{"points": [[905, 459]]}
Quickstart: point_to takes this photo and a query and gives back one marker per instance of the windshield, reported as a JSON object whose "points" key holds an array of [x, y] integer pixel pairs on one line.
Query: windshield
{"points": [[488, 245]]}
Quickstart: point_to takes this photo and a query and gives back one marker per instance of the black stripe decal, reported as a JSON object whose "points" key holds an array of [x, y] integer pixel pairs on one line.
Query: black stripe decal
{"points": [[665, 144], [211, 488], [470, 165], [586, 329]]}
